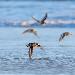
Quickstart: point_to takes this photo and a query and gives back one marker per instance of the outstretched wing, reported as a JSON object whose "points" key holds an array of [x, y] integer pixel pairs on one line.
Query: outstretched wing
{"points": [[26, 31], [30, 52], [61, 37], [35, 33], [44, 18], [35, 19]]}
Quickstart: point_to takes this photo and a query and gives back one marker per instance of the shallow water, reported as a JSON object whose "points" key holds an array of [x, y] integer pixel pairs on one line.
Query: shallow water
{"points": [[56, 58]]}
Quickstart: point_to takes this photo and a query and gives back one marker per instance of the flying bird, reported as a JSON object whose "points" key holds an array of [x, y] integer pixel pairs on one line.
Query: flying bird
{"points": [[31, 48], [64, 35], [42, 21], [30, 31]]}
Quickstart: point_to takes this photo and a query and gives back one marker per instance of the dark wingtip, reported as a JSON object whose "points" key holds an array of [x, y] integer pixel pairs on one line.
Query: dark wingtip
{"points": [[46, 13]]}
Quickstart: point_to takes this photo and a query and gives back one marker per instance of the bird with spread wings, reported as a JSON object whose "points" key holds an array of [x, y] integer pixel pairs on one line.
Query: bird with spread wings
{"points": [[42, 21], [31, 31], [63, 35], [32, 46]]}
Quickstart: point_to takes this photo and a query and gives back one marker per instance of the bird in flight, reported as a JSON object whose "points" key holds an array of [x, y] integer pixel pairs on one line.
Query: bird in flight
{"points": [[32, 46], [42, 21], [64, 35], [30, 31]]}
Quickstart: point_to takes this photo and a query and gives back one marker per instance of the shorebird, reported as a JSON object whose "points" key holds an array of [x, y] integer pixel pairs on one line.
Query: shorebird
{"points": [[42, 21], [30, 31], [63, 35], [31, 47]]}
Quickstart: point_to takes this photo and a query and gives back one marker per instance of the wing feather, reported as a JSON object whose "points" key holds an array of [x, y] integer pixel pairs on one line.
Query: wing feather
{"points": [[61, 37], [44, 18], [35, 19]]}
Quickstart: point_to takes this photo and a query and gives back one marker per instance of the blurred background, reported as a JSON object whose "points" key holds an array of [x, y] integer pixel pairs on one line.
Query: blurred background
{"points": [[15, 11]]}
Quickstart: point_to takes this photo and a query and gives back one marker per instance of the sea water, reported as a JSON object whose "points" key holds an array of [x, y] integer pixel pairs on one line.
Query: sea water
{"points": [[57, 58]]}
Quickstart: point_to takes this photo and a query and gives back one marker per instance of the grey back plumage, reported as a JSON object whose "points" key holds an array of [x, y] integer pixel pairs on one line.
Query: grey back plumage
{"points": [[44, 18]]}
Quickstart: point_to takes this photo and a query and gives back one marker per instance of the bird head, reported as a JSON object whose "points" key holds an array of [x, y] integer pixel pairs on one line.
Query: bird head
{"points": [[38, 45]]}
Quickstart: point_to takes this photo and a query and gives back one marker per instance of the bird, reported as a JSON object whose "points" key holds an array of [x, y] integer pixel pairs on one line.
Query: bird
{"points": [[31, 31], [63, 35], [42, 21], [33, 46]]}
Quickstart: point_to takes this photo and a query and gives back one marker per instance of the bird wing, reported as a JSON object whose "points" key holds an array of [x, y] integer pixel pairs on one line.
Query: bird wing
{"points": [[61, 37], [26, 31], [44, 18], [35, 19], [35, 33], [30, 52]]}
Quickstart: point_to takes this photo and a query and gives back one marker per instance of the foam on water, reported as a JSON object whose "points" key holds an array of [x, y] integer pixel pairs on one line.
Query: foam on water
{"points": [[31, 23]]}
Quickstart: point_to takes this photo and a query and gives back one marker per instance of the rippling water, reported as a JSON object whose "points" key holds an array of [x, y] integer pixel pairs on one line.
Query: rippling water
{"points": [[56, 59]]}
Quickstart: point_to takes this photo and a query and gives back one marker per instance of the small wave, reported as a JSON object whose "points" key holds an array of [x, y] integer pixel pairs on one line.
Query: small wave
{"points": [[62, 60], [56, 64], [31, 23]]}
